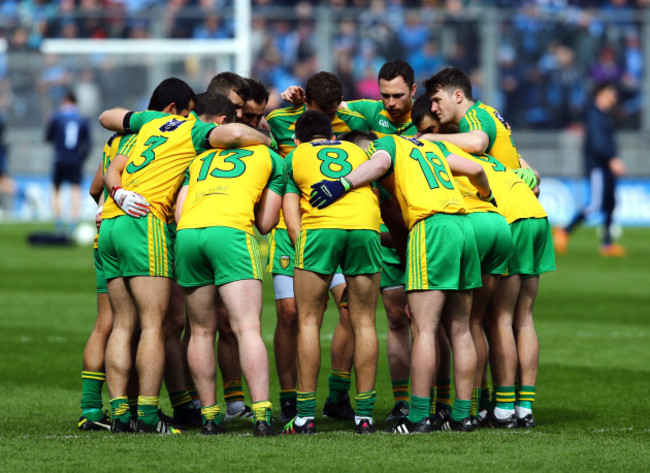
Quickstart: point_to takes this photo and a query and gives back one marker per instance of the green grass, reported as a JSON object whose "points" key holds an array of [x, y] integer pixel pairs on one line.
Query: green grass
{"points": [[592, 401]]}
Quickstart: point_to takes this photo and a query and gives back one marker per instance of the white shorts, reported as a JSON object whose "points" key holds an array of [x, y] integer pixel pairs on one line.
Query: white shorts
{"points": [[283, 285]]}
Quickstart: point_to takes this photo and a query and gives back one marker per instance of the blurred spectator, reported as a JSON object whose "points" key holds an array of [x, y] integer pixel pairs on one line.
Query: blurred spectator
{"points": [[565, 90], [426, 61], [606, 67]]}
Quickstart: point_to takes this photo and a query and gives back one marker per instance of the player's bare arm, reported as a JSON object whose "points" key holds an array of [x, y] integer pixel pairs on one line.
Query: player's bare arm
{"points": [[267, 211], [113, 176], [235, 135], [472, 142], [371, 170], [292, 216], [113, 119], [97, 185], [180, 200], [473, 171]]}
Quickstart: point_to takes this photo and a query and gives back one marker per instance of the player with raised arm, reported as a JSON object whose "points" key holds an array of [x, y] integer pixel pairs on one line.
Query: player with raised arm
{"points": [[225, 193], [324, 93], [135, 252], [346, 235], [419, 175]]}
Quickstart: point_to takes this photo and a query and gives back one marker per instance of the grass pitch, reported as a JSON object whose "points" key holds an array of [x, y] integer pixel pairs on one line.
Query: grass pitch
{"points": [[593, 322]]}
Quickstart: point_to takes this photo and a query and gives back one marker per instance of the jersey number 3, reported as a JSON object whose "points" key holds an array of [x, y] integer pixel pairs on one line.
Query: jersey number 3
{"points": [[148, 154]]}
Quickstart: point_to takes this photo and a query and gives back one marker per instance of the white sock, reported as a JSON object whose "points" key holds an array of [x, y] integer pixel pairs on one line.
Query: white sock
{"points": [[358, 419], [522, 412], [300, 421], [234, 407], [503, 414]]}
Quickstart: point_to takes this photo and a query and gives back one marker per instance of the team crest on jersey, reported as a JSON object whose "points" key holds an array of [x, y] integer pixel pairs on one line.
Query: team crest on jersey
{"points": [[171, 125], [501, 119], [284, 261]]}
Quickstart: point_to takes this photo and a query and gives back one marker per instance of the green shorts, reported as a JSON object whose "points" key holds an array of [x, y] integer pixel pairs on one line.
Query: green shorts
{"points": [[281, 253], [533, 254], [99, 273], [131, 246], [323, 250], [216, 255], [493, 241], [442, 255], [392, 275]]}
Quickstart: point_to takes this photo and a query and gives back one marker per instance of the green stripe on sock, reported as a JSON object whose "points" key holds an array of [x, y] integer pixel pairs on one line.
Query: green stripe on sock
{"points": [[339, 383], [401, 390], [288, 395], [180, 399], [461, 409], [505, 397], [484, 399], [419, 408], [233, 391], [306, 404], [365, 403], [120, 409], [443, 391], [91, 392], [526, 396]]}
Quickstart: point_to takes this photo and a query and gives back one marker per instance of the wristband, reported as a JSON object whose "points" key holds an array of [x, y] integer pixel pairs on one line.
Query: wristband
{"points": [[347, 185]]}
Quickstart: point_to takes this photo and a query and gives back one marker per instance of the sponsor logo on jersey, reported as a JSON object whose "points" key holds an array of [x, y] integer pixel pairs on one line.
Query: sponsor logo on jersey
{"points": [[501, 119], [171, 125], [284, 261], [384, 122]]}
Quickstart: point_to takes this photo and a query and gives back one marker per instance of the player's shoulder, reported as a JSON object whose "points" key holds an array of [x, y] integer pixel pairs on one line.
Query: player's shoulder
{"points": [[345, 113], [286, 113]]}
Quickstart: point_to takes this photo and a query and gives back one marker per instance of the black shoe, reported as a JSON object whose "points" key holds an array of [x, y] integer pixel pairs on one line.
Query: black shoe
{"points": [[162, 428], [187, 417], [264, 429], [119, 427], [443, 413], [339, 409], [399, 411], [495, 423], [478, 422], [87, 425], [405, 426], [288, 410], [526, 422], [463, 425], [213, 427], [365, 426], [292, 429]]}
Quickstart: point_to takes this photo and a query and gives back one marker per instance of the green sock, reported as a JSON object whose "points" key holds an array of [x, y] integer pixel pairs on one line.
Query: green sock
{"points": [[148, 409], [288, 395], [365, 403], [233, 391], [339, 383], [401, 391], [191, 389], [505, 397], [473, 411], [133, 407], [262, 411], [484, 398], [211, 413], [461, 409], [180, 400], [419, 408], [306, 403], [443, 392], [120, 409], [91, 394], [526, 396]]}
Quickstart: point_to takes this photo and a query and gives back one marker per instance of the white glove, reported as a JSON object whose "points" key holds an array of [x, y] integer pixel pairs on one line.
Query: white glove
{"points": [[131, 202]]}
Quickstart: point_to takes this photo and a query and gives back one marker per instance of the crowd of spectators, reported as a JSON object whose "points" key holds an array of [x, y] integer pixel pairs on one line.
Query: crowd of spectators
{"points": [[549, 52]]}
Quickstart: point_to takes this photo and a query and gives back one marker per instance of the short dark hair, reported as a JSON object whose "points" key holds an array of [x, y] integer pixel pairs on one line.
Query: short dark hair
{"points": [[324, 90], [313, 124], [600, 86], [212, 104], [449, 78], [172, 90], [224, 82], [258, 91], [70, 96], [358, 136], [397, 68], [421, 109]]}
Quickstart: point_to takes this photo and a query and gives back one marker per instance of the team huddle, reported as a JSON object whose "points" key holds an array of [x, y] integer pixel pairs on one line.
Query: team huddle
{"points": [[424, 201]]}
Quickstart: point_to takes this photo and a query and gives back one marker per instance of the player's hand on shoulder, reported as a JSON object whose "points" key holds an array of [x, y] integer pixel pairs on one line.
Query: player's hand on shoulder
{"points": [[294, 94], [130, 202]]}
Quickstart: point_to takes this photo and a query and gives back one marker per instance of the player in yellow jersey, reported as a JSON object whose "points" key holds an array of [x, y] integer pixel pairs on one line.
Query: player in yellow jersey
{"points": [[345, 235], [225, 193], [481, 128], [136, 256], [442, 264], [323, 92]]}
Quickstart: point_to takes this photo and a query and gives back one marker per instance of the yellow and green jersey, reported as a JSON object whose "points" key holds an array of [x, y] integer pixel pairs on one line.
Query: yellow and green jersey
{"points": [[312, 162], [419, 178], [283, 125], [514, 198], [379, 119], [116, 144], [165, 146], [485, 118], [224, 185]]}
